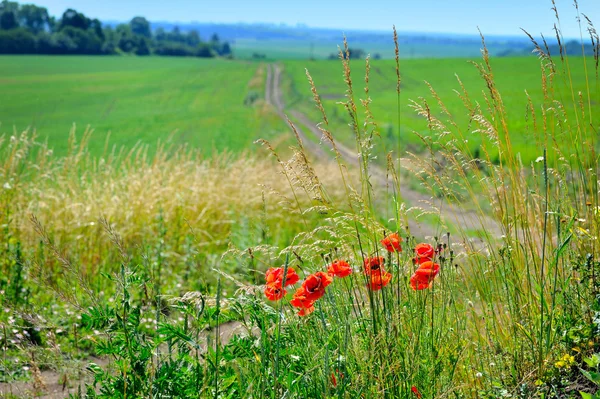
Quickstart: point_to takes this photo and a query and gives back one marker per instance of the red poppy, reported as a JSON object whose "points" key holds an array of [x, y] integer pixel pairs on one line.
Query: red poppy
{"points": [[334, 379], [306, 311], [424, 275], [424, 253], [392, 243], [379, 280], [274, 276], [339, 268], [314, 285], [373, 265], [301, 301], [416, 392], [274, 293]]}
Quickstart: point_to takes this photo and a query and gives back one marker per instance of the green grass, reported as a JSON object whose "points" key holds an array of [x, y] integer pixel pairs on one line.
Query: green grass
{"points": [[200, 102], [513, 77]]}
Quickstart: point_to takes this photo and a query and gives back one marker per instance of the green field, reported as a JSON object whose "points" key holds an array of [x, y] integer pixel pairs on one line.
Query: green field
{"points": [[513, 76], [204, 102], [200, 102]]}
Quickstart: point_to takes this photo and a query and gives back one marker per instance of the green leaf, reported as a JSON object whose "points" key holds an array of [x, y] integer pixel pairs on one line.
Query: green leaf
{"points": [[592, 376]]}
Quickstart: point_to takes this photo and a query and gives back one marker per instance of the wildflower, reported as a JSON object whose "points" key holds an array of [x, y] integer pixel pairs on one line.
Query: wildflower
{"points": [[380, 280], [274, 293], [274, 276], [306, 311], [392, 243], [334, 379], [565, 362], [301, 301], [339, 268], [416, 392], [424, 275], [424, 253], [315, 284], [373, 265]]}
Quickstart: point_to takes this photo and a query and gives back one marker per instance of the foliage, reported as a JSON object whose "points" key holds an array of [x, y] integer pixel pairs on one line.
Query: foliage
{"points": [[28, 29]]}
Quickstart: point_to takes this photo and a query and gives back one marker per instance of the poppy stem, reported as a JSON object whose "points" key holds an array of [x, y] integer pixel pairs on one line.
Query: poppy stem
{"points": [[276, 368]]}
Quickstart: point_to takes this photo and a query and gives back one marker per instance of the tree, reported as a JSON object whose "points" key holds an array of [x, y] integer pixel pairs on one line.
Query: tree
{"points": [[63, 44], [176, 36], [126, 42], [142, 46], [193, 38], [140, 26], [6, 5], [160, 35], [8, 20], [74, 19], [17, 41], [96, 27], [111, 41], [34, 18], [86, 40], [225, 49], [204, 51], [355, 54]]}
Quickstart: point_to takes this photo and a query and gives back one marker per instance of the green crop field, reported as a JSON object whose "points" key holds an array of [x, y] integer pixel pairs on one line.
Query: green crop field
{"points": [[514, 77], [196, 101], [205, 102]]}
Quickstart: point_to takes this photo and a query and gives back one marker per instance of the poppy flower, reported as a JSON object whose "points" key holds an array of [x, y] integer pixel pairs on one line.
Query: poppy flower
{"points": [[379, 280], [373, 265], [314, 285], [334, 379], [424, 253], [300, 300], [416, 392], [274, 293], [306, 311], [392, 243], [339, 268], [274, 276], [424, 275]]}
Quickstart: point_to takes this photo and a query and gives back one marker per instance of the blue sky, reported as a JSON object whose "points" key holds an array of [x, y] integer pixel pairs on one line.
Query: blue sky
{"points": [[494, 17]]}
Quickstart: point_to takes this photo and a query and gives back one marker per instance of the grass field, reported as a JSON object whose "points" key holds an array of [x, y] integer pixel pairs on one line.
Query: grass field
{"points": [[514, 77], [200, 102]]}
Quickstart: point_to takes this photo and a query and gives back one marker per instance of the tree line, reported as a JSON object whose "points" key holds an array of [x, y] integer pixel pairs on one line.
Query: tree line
{"points": [[29, 29]]}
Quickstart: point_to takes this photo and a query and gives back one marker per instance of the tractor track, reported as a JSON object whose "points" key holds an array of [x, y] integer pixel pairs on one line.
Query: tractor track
{"points": [[322, 152]]}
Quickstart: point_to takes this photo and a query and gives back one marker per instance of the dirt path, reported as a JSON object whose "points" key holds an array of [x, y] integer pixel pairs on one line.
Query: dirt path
{"points": [[54, 384], [469, 220]]}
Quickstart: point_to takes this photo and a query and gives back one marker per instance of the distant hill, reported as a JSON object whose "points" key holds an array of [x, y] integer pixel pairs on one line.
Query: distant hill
{"points": [[301, 41]]}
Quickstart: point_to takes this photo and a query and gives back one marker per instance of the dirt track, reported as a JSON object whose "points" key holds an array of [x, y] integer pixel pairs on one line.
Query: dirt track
{"points": [[469, 220]]}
